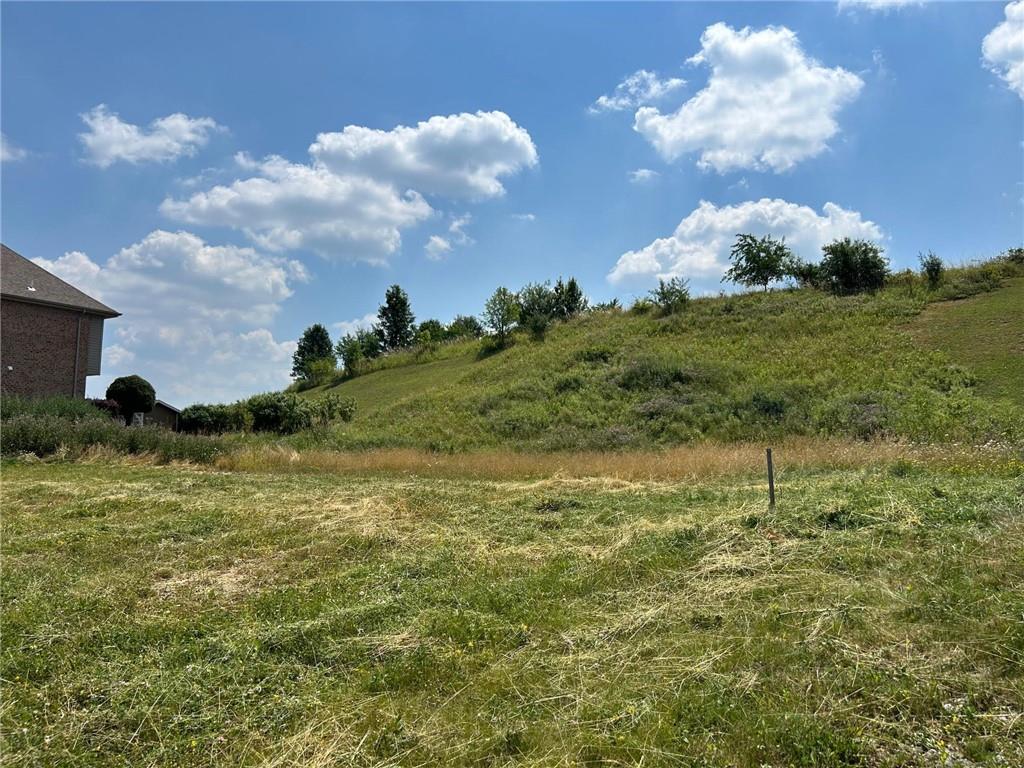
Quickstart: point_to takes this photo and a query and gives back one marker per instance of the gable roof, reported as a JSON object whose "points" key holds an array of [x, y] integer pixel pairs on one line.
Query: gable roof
{"points": [[22, 280]]}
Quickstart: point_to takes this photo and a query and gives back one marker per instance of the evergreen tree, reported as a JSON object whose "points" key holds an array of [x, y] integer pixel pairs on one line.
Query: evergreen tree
{"points": [[569, 299], [314, 345], [395, 320]]}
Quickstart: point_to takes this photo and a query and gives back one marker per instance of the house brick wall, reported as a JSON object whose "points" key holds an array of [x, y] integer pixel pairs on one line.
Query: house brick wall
{"points": [[37, 350]]}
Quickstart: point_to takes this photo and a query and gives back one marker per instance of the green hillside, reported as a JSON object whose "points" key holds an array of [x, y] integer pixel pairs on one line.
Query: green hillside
{"points": [[985, 333], [746, 367]]}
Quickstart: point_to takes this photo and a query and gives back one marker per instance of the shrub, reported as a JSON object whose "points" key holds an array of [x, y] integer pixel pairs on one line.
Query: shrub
{"points": [[932, 269], [133, 394], [805, 273], [852, 266], [536, 308], [109, 407], [1015, 255], [569, 300], [654, 373], [671, 296], [281, 412], [46, 434], [214, 419], [321, 371], [57, 405]]}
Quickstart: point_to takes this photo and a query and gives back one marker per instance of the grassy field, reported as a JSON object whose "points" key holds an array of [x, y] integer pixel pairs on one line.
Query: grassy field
{"points": [[984, 333], [733, 368], [490, 616]]}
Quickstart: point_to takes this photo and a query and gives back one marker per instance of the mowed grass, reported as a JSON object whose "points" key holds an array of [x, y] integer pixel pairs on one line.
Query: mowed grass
{"points": [[984, 333], [178, 616]]}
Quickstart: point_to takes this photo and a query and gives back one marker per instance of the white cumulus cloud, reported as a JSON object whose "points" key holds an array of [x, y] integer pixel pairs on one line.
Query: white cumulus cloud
{"points": [[640, 88], [194, 314], [110, 139], [1003, 48], [458, 156], [699, 247], [767, 105], [877, 5], [10, 153], [363, 186]]}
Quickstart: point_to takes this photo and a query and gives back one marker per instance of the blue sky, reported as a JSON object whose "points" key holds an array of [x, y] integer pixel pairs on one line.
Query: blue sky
{"points": [[165, 157]]}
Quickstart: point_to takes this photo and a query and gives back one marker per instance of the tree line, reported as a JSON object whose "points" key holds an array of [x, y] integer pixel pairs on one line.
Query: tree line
{"points": [[535, 307], [847, 267]]}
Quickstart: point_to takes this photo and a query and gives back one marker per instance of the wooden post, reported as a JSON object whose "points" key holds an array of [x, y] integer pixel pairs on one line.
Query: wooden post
{"points": [[771, 481]]}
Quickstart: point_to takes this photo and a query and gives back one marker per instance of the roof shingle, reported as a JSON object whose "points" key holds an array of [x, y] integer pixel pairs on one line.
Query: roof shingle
{"points": [[22, 280]]}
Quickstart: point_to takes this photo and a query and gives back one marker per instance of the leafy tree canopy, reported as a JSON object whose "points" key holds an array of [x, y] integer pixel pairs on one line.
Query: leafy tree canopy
{"points": [[133, 394], [758, 260]]}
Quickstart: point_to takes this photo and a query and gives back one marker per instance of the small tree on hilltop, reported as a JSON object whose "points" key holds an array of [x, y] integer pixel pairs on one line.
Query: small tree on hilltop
{"points": [[133, 394], [501, 312], [758, 260], [464, 326], [395, 319], [536, 308], [853, 266], [314, 345], [671, 296], [932, 268], [569, 299]]}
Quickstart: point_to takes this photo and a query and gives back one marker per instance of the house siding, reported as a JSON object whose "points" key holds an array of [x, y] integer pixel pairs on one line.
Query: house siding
{"points": [[37, 349]]}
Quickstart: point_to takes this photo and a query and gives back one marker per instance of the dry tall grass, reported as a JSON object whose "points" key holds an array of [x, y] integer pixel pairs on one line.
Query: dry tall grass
{"points": [[680, 463]]}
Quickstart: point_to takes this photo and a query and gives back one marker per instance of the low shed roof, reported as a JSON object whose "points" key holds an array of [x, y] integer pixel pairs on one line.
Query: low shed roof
{"points": [[22, 280]]}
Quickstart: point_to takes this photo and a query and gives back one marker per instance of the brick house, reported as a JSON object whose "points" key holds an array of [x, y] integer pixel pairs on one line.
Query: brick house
{"points": [[51, 334]]}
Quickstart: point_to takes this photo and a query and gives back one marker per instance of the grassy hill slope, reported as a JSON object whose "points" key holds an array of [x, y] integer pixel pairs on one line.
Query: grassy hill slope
{"points": [[985, 333], [748, 367]]}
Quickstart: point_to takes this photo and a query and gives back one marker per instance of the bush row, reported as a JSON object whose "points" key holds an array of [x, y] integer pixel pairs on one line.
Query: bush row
{"points": [[280, 412], [45, 434]]}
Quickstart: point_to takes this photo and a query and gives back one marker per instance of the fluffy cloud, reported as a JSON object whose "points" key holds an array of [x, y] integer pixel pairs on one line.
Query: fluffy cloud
{"points": [[110, 139], [9, 153], [363, 186], [699, 247], [767, 105], [291, 206], [640, 88], [458, 156], [193, 314], [1003, 48], [877, 5], [643, 175]]}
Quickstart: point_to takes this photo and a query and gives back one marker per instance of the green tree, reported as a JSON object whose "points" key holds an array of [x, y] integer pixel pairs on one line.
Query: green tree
{"points": [[758, 260], [536, 308], [671, 296], [133, 394], [435, 328], [569, 299], [501, 312], [932, 268], [464, 326], [395, 319], [852, 266], [314, 345], [349, 352]]}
